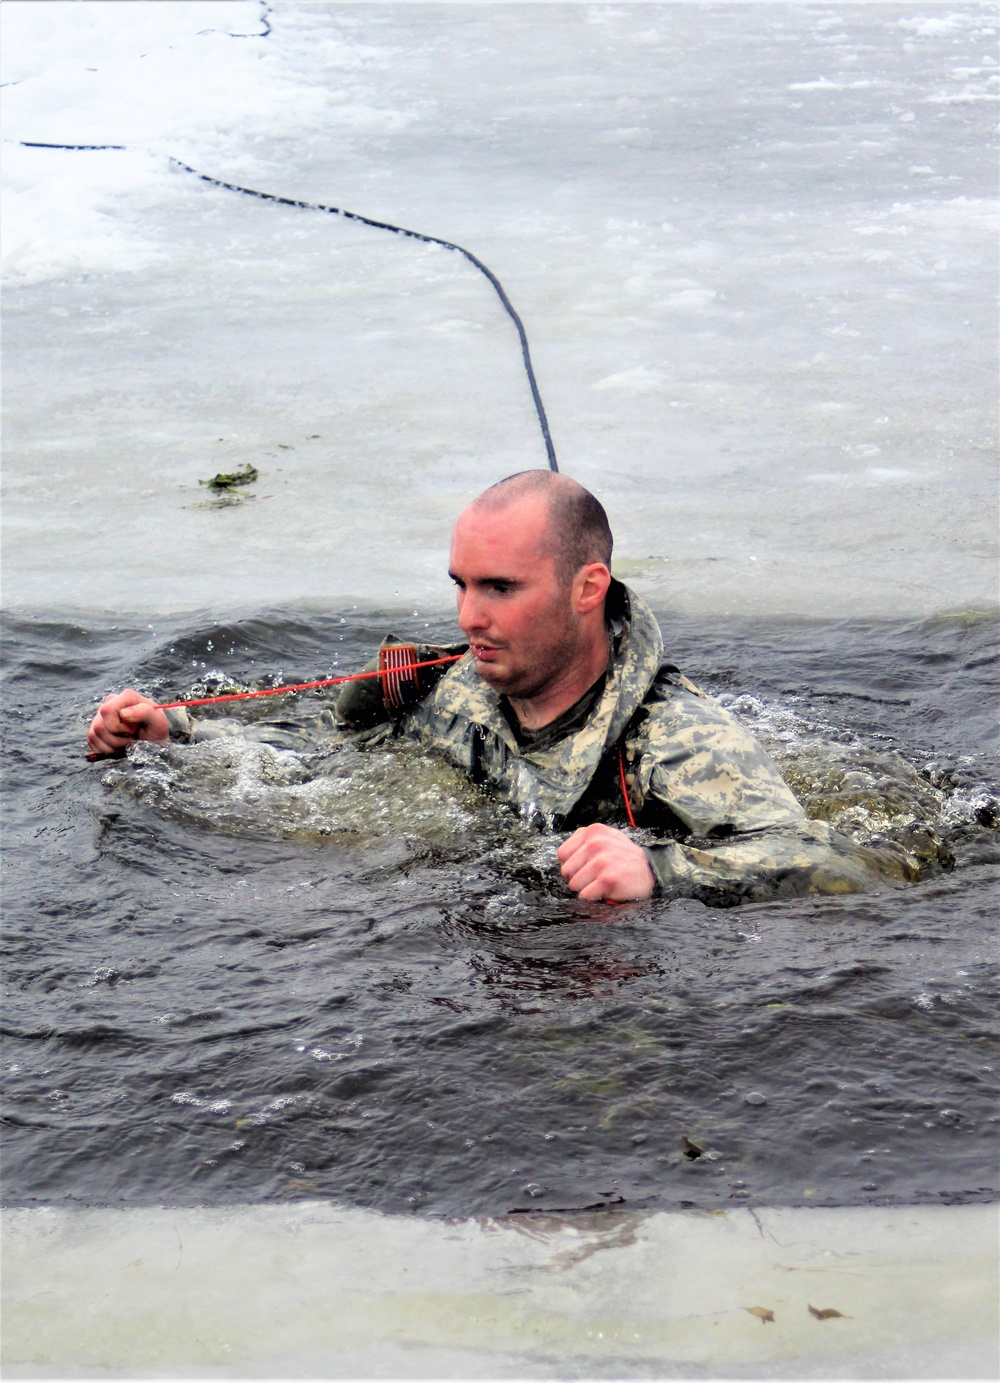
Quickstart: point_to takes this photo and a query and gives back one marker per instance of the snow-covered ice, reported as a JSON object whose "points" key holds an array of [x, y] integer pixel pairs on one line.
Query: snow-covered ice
{"points": [[753, 247]]}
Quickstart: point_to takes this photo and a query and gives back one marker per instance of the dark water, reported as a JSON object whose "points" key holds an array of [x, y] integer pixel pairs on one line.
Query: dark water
{"points": [[235, 973]]}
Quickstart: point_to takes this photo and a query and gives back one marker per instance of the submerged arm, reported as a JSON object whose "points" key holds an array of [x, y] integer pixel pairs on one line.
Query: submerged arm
{"points": [[602, 862], [783, 861], [745, 835], [729, 827]]}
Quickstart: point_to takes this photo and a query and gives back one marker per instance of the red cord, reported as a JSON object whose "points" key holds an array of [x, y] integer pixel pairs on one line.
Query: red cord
{"points": [[356, 677], [305, 686], [621, 773]]}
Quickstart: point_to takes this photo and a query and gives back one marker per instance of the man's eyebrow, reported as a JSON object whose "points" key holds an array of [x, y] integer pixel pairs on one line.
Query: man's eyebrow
{"points": [[484, 580]]}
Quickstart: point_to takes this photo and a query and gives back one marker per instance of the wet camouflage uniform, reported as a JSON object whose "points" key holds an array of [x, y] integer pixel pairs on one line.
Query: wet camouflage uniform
{"points": [[716, 819]]}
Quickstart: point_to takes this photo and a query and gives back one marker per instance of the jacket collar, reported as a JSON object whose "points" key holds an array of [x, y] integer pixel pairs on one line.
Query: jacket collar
{"points": [[562, 773]]}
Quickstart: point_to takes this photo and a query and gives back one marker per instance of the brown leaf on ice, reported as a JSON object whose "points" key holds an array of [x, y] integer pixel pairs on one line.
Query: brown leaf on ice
{"points": [[762, 1313], [827, 1314], [569, 1209]]}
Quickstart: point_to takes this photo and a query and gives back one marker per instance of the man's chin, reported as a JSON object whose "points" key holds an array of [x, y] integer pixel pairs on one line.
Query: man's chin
{"points": [[497, 676], [493, 674], [505, 681]]}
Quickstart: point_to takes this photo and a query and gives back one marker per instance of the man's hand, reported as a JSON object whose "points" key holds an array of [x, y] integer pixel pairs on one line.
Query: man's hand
{"points": [[600, 862], [125, 717]]}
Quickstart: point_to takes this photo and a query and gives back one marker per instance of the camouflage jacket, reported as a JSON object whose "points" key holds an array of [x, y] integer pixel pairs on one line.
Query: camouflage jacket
{"points": [[713, 813]]}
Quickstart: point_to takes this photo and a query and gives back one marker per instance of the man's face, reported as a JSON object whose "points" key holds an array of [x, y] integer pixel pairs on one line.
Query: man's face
{"points": [[518, 619]]}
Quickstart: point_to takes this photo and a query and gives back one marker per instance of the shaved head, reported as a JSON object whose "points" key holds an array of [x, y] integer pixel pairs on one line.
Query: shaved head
{"points": [[578, 531]]}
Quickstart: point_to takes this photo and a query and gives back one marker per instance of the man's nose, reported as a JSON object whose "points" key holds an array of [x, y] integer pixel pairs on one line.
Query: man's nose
{"points": [[472, 613]]}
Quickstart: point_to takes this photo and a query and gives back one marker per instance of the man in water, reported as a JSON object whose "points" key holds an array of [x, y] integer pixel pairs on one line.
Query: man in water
{"points": [[564, 707]]}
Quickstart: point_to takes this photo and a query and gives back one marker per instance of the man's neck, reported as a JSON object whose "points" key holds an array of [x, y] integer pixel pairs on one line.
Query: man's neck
{"points": [[534, 712]]}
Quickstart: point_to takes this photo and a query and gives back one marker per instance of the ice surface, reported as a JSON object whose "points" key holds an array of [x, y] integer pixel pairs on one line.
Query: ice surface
{"points": [[315, 1291], [753, 247]]}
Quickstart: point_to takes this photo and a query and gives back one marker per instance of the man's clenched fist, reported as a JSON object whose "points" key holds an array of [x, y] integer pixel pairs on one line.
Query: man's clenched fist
{"points": [[601, 862], [124, 717]]}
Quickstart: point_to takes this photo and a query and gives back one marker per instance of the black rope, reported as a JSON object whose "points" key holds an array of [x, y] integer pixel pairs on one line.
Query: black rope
{"points": [[412, 235], [90, 148], [543, 421], [265, 19]]}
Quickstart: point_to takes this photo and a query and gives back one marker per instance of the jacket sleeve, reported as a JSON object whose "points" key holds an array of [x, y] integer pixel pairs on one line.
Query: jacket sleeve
{"points": [[281, 729], [357, 706], [182, 726], [745, 834], [780, 862]]}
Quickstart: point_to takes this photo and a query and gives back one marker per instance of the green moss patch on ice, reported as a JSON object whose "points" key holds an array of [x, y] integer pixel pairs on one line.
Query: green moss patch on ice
{"points": [[231, 480]]}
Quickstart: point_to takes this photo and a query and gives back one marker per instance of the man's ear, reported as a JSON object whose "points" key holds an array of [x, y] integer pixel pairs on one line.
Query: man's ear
{"points": [[590, 586]]}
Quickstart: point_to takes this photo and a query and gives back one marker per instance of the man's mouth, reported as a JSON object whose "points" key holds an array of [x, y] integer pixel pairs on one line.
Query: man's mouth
{"points": [[484, 652]]}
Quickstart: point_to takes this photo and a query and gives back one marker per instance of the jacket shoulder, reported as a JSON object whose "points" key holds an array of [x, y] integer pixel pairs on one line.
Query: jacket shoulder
{"points": [[668, 681], [695, 756]]}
